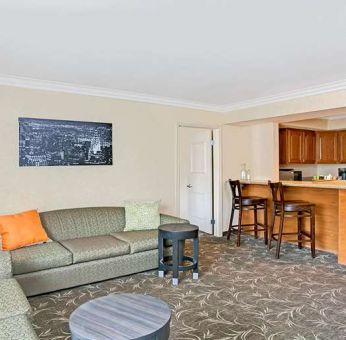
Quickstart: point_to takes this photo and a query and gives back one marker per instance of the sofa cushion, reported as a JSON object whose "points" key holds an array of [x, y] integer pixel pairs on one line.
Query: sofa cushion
{"points": [[95, 248], [5, 264], [17, 328], [139, 240], [69, 224], [12, 299], [40, 257]]}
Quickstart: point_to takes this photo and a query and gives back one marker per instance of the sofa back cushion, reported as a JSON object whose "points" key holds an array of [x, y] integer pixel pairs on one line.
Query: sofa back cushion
{"points": [[83, 222]]}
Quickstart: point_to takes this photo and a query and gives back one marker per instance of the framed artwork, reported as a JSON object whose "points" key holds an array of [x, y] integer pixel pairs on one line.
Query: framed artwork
{"points": [[51, 142]]}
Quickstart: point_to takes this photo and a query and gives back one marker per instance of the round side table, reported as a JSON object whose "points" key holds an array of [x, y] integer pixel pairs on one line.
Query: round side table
{"points": [[121, 317], [178, 233]]}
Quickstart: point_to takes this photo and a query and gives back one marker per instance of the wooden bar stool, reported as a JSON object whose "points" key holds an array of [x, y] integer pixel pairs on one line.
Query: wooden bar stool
{"points": [[297, 209], [241, 203]]}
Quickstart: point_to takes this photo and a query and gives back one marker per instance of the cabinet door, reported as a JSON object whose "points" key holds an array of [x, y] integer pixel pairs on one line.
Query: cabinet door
{"points": [[327, 147], [283, 146], [342, 146], [309, 147], [295, 146]]}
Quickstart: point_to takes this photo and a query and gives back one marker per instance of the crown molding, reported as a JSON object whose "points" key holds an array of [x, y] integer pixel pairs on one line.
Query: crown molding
{"points": [[31, 83], [37, 84], [307, 91]]}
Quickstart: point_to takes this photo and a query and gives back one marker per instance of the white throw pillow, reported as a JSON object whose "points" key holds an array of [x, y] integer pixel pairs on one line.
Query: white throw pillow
{"points": [[142, 215]]}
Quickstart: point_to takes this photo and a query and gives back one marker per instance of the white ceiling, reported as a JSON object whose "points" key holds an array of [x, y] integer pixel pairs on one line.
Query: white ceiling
{"points": [[213, 53]]}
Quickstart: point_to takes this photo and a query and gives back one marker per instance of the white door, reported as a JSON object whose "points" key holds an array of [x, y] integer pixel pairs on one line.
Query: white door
{"points": [[196, 177]]}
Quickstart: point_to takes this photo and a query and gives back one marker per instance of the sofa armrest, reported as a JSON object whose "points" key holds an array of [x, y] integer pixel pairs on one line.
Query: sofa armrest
{"points": [[166, 219], [5, 265]]}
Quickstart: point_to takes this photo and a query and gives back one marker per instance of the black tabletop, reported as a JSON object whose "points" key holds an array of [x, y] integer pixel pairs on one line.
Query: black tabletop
{"points": [[178, 227]]}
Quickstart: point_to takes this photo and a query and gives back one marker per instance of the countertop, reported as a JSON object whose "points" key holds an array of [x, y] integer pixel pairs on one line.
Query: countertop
{"points": [[337, 184]]}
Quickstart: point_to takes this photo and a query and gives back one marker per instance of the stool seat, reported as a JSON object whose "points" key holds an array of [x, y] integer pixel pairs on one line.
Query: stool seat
{"points": [[294, 206], [252, 200], [178, 231]]}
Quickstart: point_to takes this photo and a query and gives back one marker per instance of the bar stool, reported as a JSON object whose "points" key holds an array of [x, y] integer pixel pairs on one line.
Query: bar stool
{"points": [[298, 209], [243, 203]]}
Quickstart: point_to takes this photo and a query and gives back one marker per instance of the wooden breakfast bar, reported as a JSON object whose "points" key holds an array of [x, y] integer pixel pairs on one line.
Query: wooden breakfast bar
{"points": [[330, 200]]}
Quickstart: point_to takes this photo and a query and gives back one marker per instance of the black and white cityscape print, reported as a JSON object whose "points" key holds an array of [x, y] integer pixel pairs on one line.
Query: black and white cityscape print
{"points": [[50, 142]]}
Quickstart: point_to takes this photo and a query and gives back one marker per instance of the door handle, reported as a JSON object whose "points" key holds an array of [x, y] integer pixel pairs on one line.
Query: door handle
{"points": [[189, 186]]}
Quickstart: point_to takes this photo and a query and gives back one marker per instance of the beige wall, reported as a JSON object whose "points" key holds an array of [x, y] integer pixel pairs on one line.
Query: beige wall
{"points": [[235, 150], [144, 142], [264, 150], [144, 150], [292, 107], [310, 124], [255, 145], [337, 124], [318, 124]]}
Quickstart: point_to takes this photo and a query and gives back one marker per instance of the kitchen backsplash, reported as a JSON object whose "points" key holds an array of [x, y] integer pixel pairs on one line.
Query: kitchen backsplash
{"points": [[309, 170]]}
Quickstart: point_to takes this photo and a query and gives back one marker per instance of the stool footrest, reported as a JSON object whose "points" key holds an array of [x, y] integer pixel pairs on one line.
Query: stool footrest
{"points": [[165, 266], [260, 227], [296, 240], [249, 207]]}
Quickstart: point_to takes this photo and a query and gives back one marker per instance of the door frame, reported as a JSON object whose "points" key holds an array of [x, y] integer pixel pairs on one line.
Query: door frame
{"points": [[216, 171]]}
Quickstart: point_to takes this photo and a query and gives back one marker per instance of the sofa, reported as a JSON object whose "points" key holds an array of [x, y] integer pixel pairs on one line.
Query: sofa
{"points": [[15, 311], [86, 245]]}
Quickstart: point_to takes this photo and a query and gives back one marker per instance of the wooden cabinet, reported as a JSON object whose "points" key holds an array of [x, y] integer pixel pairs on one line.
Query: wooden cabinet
{"points": [[282, 146], [342, 146], [327, 147], [297, 146], [309, 147]]}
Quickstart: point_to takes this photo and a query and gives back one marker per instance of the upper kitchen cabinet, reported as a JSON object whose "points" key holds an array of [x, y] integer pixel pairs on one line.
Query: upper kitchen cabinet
{"points": [[327, 146], [342, 146], [297, 146], [309, 147]]}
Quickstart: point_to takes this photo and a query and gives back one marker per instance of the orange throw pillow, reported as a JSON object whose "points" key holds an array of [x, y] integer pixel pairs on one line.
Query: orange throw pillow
{"points": [[21, 230]]}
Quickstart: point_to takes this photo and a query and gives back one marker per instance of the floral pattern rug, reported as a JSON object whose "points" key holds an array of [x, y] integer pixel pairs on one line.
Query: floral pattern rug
{"points": [[242, 293]]}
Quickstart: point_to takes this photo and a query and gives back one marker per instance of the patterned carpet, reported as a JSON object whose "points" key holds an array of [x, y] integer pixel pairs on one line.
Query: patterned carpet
{"points": [[243, 293]]}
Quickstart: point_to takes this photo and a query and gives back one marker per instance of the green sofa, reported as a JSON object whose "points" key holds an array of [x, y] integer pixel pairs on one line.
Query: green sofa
{"points": [[15, 323], [87, 245]]}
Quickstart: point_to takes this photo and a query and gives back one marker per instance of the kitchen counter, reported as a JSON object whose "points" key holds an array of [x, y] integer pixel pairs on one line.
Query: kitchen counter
{"points": [[330, 200], [323, 184]]}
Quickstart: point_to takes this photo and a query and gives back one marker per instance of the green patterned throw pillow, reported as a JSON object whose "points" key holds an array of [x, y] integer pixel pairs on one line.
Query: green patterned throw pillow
{"points": [[142, 215]]}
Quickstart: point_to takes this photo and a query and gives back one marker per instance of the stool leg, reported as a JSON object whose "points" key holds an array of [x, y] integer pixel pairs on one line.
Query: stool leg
{"points": [[175, 260], [265, 222], [239, 226], [230, 223], [281, 227], [255, 221], [161, 269], [312, 231], [181, 251], [300, 235], [271, 228], [195, 258]]}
